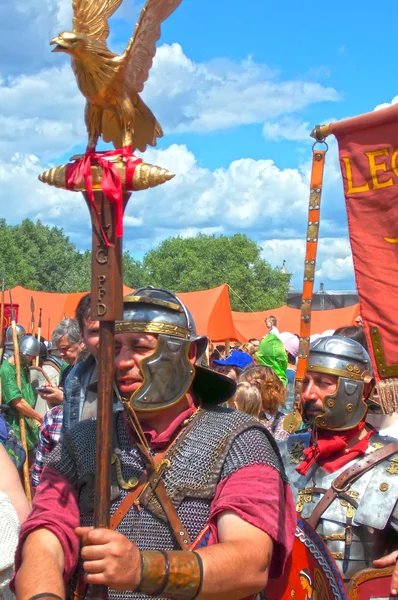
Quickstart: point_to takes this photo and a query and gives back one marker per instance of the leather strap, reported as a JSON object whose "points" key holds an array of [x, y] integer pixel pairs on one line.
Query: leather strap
{"points": [[174, 520], [133, 496], [347, 478]]}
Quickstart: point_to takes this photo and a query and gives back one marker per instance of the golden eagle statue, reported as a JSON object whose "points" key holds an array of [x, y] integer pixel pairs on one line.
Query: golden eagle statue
{"points": [[110, 82]]}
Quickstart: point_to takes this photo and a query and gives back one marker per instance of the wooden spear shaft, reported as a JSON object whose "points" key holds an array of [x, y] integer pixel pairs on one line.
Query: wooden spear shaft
{"points": [[38, 336], [2, 326], [21, 417]]}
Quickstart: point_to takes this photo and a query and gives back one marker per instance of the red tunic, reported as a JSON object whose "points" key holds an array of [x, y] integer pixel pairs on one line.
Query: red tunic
{"points": [[256, 493]]}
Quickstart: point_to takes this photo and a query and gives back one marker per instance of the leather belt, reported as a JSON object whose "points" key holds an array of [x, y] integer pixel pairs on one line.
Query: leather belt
{"points": [[344, 481]]}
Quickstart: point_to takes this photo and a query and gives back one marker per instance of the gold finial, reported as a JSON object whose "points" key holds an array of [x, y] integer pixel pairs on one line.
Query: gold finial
{"points": [[145, 176]]}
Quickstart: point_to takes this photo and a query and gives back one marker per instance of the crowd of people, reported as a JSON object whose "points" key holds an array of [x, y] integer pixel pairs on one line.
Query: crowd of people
{"points": [[206, 479]]}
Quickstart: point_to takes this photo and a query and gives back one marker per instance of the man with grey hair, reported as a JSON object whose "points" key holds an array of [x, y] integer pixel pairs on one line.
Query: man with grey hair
{"points": [[66, 338]]}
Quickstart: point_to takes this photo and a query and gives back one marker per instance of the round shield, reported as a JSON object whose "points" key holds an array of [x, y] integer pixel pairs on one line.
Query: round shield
{"points": [[311, 571]]}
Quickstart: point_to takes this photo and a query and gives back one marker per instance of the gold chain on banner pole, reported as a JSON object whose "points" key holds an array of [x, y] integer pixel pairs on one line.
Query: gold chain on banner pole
{"points": [[293, 420]]}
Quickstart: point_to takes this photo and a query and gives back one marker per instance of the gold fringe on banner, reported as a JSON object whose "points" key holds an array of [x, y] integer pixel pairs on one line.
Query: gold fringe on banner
{"points": [[388, 395]]}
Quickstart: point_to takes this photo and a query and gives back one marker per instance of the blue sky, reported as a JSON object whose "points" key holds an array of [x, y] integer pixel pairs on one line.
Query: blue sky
{"points": [[237, 87]]}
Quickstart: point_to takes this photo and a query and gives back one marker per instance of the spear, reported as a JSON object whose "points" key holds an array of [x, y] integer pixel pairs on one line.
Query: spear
{"points": [[32, 315], [38, 335], [3, 277], [21, 417]]}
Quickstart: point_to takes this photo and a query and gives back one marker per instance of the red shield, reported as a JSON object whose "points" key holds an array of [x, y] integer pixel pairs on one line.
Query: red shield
{"points": [[371, 583], [311, 571]]}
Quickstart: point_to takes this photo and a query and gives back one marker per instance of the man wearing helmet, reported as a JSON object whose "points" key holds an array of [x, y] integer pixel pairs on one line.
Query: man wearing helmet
{"points": [[21, 400], [200, 504], [341, 469], [9, 344]]}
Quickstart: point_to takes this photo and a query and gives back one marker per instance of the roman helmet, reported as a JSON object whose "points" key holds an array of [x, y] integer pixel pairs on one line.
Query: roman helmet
{"points": [[29, 346], [168, 373], [349, 361], [19, 329], [9, 344]]}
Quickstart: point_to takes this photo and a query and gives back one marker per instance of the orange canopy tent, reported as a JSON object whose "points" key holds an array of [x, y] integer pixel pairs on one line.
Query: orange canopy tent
{"points": [[251, 325], [211, 310]]}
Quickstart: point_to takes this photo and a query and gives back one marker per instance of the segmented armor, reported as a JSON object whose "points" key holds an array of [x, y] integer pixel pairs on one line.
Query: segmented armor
{"points": [[373, 512], [216, 443]]}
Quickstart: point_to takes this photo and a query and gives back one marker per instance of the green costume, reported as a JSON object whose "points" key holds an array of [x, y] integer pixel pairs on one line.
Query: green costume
{"points": [[271, 353], [12, 392]]}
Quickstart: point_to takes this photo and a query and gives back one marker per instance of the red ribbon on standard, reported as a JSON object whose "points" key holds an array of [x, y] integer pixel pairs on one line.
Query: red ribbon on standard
{"points": [[111, 183]]}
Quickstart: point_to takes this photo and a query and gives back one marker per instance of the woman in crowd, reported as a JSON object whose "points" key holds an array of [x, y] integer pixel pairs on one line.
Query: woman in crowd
{"points": [[248, 398], [291, 345], [271, 393], [271, 353]]}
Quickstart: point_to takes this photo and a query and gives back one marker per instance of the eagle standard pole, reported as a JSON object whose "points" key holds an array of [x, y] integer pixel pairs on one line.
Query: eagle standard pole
{"points": [[107, 306]]}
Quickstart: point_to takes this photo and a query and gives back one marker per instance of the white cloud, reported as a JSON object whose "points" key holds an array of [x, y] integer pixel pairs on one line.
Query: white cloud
{"points": [[337, 269], [43, 112], [249, 196], [26, 30], [334, 260], [287, 128], [387, 104], [202, 97]]}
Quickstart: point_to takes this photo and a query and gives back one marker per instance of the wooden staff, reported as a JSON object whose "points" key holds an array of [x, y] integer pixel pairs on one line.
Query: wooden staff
{"points": [[32, 315], [293, 421], [38, 336], [48, 328], [3, 277], [107, 306], [227, 347], [21, 417]]}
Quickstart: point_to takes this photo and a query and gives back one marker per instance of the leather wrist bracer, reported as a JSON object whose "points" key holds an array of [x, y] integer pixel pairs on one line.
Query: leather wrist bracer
{"points": [[176, 575]]}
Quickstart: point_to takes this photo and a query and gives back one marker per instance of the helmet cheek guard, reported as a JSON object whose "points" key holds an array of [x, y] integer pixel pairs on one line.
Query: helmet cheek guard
{"points": [[349, 361], [345, 408], [168, 374]]}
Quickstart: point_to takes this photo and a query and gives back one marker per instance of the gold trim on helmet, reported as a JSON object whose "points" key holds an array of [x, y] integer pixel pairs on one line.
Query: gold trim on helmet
{"points": [[338, 372], [151, 327], [153, 301]]}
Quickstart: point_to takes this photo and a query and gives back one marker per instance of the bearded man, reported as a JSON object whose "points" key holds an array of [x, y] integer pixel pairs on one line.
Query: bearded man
{"points": [[200, 503], [344, 475]]}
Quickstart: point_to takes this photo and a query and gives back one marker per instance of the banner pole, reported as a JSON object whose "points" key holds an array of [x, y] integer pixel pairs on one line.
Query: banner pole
{"points": [[293, 420]]}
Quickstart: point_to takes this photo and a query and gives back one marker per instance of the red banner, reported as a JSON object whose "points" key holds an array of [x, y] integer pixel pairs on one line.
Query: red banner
{"points": [[7, 317], [368, 148]]}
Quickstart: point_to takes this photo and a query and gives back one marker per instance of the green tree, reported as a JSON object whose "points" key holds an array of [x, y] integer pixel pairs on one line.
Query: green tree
{"points": [[134, 274], [203, 262], [78, 277], [18, 270], [48, 252]]}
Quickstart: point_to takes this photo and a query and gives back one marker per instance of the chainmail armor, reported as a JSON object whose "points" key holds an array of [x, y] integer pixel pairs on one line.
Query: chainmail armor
{"points": [[215, 444]]}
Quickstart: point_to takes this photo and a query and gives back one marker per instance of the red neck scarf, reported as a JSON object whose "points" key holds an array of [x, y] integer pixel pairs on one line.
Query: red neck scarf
{"points": [[331, 450]]}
